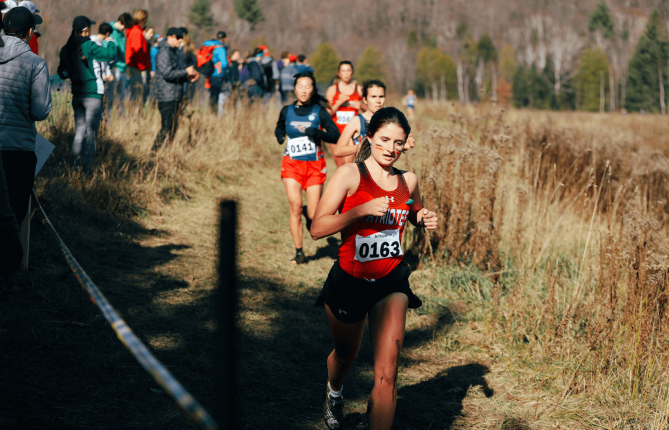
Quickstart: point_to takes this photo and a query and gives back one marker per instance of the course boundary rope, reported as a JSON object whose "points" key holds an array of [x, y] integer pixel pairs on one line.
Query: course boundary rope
{"points": [[187, 403]]}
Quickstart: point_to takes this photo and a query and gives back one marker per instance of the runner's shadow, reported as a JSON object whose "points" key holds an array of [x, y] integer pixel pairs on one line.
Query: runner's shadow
{"points": [[437, 402], [331, 250]]}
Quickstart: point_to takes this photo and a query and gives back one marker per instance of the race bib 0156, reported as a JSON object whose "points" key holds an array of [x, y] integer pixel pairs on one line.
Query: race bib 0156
{"points": [[384, 244], [343, 117], [301, 146]]}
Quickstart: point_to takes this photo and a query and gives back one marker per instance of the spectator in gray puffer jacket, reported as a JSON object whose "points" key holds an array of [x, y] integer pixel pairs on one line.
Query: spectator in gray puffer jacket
{"points": [[25, 97], [169, 84]]}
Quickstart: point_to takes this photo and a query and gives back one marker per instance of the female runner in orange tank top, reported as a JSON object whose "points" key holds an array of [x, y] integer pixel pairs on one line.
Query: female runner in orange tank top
{"points": [[374, 201], [345, 99]]}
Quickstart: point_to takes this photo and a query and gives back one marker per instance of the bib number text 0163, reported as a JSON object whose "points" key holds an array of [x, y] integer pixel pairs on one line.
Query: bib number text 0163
{"points": [[385, 244]]}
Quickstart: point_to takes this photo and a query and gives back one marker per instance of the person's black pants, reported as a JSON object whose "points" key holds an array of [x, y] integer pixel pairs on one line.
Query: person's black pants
{"points": [[19, 167], [168, 121], [214, 91], [20, 173]]}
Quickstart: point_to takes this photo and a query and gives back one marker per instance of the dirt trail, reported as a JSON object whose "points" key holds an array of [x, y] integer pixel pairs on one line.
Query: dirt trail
{"points": [[161, 276], [285, 339]]}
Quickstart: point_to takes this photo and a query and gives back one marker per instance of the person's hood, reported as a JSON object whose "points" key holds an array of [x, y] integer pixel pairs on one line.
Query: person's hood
{"points": [[95, 39], [13, 48], [213, 42], [266, 60]]}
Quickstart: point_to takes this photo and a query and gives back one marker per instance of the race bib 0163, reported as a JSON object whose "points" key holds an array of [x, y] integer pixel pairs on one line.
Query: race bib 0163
{"points": [[301, 146], [384, 244], [343, 117]]}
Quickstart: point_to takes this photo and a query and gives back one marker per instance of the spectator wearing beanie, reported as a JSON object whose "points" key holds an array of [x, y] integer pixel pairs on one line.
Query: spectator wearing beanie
{"points": [[26, 98]]}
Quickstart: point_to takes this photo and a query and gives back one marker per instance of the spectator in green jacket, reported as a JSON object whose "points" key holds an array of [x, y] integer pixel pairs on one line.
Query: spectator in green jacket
{"points": [[117, 91], [80, 62]]}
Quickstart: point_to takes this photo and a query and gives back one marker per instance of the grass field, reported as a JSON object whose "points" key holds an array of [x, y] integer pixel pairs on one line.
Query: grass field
{"points": [[545, 287]]}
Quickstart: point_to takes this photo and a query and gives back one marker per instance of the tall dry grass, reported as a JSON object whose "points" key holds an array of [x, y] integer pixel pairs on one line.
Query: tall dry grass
{"points": [[568, 215], [128, 179]]}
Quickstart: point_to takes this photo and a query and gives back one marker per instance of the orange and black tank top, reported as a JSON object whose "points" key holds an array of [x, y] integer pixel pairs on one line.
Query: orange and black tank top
{"points": [[372, 246], [345, 113]]}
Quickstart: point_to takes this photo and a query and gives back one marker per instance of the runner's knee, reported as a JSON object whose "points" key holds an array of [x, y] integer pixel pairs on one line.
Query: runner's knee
{"points": [[385, 375], [344, 357], [296, 209]]}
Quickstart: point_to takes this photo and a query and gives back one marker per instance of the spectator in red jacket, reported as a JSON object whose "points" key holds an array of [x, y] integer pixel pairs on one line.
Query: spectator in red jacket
{"points": [[137, 55]]}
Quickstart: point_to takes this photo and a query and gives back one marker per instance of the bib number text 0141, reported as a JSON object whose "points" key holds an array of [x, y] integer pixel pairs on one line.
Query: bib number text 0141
{"points": [[301, 146], [385, 244]]}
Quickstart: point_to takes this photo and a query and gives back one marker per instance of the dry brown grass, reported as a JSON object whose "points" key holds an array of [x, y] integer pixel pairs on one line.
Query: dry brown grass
{"points": [[546, 283], [585, 277]]}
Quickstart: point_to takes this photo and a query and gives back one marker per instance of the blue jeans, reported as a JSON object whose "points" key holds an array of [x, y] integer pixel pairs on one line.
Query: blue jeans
{"points": [[87, 116]]}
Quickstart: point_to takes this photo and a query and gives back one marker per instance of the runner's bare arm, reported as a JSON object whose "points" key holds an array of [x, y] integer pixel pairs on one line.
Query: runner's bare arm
{"points": [[345, 144], [362, 107], [417, 211], [329, 96], [326, 220]]}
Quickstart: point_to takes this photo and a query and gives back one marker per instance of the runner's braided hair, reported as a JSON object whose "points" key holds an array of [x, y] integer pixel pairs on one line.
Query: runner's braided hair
{"points": [[383, 116], [316, 98]]}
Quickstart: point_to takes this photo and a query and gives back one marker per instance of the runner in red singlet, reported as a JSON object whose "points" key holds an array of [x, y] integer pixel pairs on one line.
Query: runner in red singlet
{"points": [[374, 201], [345, 98], [374, 98]]}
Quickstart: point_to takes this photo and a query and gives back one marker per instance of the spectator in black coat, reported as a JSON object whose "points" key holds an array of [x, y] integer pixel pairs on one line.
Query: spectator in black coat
{"points": [[258, 84], [169, 84]]}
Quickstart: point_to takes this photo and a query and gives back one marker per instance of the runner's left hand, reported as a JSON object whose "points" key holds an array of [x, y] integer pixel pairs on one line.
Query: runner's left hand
{"points": [[429, 217], [311, 131]]}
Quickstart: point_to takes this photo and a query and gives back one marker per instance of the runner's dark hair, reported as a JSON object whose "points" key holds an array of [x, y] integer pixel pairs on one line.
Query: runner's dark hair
{"points": [[316, 98], [342, 63], [383, 116], [372, 83]]}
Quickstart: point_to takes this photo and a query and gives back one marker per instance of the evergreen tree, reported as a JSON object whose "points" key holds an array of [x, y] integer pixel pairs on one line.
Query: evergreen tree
{"points": [[370, 65], [592, 68], [600, 19], [486, 49], [648, 60], [325, 62], [531, 88], [200, 15], [249, 10]]}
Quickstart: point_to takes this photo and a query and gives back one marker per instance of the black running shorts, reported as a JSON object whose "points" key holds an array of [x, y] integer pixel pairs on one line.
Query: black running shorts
{"points": [[351, 298]]}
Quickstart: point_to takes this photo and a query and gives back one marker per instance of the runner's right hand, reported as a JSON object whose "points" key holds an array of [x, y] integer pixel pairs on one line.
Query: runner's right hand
{"points": [[376, 207]]}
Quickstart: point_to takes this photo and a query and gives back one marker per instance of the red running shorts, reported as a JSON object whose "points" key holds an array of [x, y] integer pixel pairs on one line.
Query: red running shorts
{"points": [[307, 173]]}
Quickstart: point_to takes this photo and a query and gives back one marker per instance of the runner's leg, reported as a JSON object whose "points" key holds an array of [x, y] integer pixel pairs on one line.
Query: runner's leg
{"points": [[347, 339], [314, 193], [294, 193], [386, 326]]}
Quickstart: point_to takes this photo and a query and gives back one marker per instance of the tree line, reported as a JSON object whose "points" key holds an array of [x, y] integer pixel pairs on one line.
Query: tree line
{"points": [[595, 71]]}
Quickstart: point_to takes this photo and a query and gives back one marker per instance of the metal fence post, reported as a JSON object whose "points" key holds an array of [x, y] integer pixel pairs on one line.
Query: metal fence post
{"points": [[225, 410]]}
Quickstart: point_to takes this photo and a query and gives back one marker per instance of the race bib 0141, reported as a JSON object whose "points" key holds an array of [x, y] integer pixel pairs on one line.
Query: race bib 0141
{"points": [[301, 146], [343, 117], [384, 244]]}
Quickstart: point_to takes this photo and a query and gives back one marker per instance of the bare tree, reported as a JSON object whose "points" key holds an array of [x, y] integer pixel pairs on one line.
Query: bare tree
{"points": [[563, 46]]}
